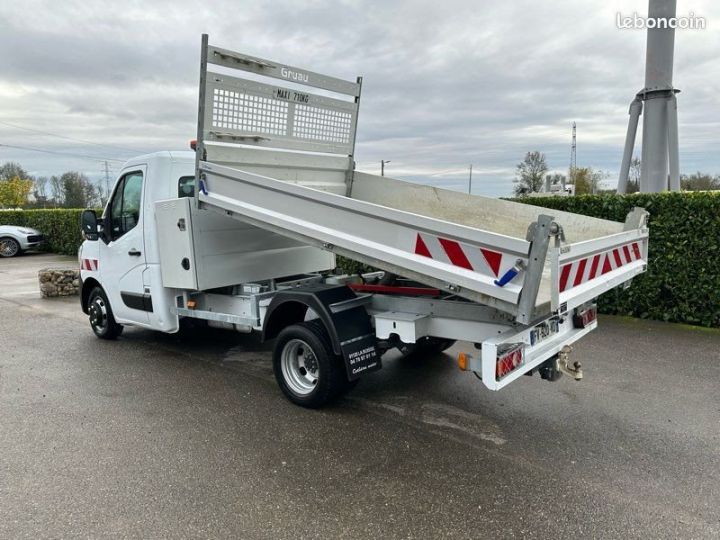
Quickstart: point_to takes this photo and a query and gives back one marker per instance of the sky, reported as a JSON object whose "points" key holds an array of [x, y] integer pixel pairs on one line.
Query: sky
{"points": [[445, 84]]}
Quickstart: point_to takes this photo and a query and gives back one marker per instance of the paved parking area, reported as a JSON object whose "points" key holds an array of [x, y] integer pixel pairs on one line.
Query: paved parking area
{"points": [[187, 436]]}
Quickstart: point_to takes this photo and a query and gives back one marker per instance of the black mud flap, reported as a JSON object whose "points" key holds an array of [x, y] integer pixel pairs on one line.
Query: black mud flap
{"points": [[346, 320]]}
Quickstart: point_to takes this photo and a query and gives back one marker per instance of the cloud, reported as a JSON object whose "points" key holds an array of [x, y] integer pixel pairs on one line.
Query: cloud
{"points": [[445, 84]]}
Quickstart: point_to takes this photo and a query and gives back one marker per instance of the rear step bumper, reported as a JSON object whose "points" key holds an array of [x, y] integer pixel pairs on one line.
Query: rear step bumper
{"points": [[537, 344]]}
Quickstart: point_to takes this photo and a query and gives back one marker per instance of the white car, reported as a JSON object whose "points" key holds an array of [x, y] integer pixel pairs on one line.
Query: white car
{"points": [[14, 240]]}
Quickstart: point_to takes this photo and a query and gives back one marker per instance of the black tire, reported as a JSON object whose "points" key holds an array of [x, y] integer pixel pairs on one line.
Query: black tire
{"points": [[9, 247], [437, 345], [309, 343], [101, 316]]}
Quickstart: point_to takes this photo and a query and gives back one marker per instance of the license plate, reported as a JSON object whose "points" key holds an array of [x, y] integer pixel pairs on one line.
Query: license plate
{"points": [[544, 330]]}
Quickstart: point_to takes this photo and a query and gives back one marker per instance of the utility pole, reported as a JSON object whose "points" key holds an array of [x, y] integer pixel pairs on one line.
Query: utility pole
{"points": [[107, 181], [382, 166], [470, 182], [573, 149], [573, 154]]}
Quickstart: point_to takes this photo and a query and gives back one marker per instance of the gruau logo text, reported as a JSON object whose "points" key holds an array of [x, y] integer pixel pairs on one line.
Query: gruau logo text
{"points": [[293, 75]]}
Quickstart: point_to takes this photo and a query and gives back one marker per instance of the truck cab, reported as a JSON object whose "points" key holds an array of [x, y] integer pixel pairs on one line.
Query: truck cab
{"points": [[125, 258]]}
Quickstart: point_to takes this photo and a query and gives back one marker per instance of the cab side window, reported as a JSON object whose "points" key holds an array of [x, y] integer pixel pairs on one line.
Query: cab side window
{"points": [[125, 205], [186, 186]]}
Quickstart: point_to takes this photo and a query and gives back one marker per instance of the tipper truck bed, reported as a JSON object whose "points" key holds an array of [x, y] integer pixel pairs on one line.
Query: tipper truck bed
{"points": [[244, 232]]}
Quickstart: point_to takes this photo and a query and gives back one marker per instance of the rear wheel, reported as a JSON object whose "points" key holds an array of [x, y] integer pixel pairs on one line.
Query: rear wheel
{"points": [[101, 316], [306, 368], [9, 247]]}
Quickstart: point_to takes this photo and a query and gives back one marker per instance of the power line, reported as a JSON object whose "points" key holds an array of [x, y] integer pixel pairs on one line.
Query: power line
{"points": [[94, 158], [70, 138]]}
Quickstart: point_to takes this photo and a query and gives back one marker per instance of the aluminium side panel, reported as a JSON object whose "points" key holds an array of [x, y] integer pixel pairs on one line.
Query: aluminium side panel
{"points": [[175, 243], [201, 249], [229, 252], [456, 258]]}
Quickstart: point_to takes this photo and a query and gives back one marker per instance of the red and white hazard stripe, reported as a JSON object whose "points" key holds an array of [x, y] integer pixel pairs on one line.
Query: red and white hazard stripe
{"points": [[477, 259], [90, 264], [583, 270]]}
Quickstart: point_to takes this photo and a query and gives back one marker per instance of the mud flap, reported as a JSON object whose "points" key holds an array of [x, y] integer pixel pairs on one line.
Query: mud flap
{"points": [[344, 315]]}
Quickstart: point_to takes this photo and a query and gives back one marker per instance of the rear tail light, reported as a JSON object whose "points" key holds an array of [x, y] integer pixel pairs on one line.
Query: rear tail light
{"points": [[509, 360], [584, 316]]}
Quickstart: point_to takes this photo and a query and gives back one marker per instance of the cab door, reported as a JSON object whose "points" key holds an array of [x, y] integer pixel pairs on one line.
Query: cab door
{"points": [[122, 251]]}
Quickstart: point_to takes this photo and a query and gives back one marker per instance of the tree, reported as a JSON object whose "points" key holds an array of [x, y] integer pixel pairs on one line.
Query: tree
{"points": [[587, 180], [633, 184], [530, 174], [11, 170], [14, 192], [56, 189], [15, 185], [40, 191], [699, 182], [76, 190]]}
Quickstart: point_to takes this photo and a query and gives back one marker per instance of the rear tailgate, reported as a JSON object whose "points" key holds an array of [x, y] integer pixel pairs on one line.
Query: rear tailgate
{"points": [[585, 270]]}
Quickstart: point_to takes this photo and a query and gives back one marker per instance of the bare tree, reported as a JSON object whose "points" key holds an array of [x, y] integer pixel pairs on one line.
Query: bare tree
{"points": [[633, 184], [530, 174], [40, 185], [11, 170], [699, 182], [56, 186]]}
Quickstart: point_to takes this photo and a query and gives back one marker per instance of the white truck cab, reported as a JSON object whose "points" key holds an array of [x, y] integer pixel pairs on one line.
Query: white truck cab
{"points": [[243, 233], [127, 255]]}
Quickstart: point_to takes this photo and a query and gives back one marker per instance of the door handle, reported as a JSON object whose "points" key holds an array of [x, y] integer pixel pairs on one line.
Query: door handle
{"points": [[134, 253]]}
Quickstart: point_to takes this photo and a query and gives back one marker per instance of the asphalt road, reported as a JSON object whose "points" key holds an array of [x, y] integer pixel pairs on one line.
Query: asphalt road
{"points": [[187, 436]]}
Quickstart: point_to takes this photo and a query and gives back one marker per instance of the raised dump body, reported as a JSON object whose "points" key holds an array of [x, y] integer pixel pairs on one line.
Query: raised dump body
{"points": [[281, 158]]}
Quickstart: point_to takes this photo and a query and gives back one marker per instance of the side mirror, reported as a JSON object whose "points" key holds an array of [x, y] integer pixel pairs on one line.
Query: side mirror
{"points": [[89, 224]]}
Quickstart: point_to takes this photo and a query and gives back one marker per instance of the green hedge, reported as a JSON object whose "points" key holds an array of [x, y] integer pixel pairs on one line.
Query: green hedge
{"points": [[682, 283], [61, 227]]}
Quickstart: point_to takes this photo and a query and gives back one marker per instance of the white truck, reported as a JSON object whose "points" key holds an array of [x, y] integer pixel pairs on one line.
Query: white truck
{"points": [[243, 233]]}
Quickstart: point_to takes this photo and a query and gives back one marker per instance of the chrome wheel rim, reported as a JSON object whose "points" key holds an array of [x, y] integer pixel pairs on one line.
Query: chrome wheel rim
{"points": [[300, 367], [8, 247], [98, 314]]}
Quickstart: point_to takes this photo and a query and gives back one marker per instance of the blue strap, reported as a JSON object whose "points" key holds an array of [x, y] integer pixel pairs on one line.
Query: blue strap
{"points": [[509, 275]]}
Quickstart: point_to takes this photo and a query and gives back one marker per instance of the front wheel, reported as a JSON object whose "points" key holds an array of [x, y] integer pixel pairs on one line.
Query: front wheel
{"points": [[9, 247], [306, 368], [101, 316]]}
